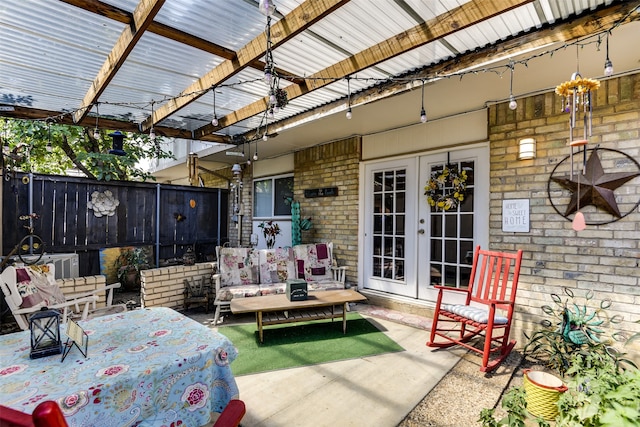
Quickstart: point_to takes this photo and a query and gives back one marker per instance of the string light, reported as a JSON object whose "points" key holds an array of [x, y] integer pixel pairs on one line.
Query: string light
{"points": [[152, 132], [349, 114], [373, 81], [513, 104], [423, 114], [214, 121], [96, 131], [608, 65]]}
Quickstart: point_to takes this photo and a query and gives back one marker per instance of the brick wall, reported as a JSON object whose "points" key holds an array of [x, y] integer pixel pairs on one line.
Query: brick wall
{"points": [[335, 219], [164, 287], [84, 284], [602, 258]]}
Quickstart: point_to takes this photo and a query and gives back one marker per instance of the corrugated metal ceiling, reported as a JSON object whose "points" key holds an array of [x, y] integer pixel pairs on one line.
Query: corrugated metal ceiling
{"points": [[52, 51]]}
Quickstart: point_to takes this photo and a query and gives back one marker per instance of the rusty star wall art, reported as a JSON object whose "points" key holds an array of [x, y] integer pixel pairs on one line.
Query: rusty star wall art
{"points": [[594, 186]]}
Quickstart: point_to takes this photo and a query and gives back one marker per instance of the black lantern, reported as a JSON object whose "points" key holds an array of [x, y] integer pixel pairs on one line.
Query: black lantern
{"points": [[118, 140], [45, 333]]}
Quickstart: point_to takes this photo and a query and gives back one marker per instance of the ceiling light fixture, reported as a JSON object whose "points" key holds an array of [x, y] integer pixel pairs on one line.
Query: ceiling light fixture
{"points": [[276, 98], [423, 114], [96, 131], [214, 121], [349, 114], [512, 100], [608, 65]]}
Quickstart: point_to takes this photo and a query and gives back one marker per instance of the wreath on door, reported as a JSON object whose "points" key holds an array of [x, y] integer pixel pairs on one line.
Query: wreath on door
{"points": [[447, 188]]}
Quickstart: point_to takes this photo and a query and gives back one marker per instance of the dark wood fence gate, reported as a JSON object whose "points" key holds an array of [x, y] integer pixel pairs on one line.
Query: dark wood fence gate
{"points": [[169, 218]]}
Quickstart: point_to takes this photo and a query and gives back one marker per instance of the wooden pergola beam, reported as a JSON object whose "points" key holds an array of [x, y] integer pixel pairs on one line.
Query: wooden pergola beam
{"points": [[143, 16], [298, 20], [564, 31], [464, 16]]}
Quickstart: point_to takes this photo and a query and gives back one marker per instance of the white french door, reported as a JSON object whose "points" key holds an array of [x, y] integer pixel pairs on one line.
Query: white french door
{"points": [[408, 246]]}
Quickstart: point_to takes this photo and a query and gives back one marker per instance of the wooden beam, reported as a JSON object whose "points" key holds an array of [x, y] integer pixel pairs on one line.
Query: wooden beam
{"points": [[457, 19], [142, 16], [28, 113], [560, 31], [302, 17]]}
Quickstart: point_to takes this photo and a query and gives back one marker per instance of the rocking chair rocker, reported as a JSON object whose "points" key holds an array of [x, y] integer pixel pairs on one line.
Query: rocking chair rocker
{"points": [[488, 308]]}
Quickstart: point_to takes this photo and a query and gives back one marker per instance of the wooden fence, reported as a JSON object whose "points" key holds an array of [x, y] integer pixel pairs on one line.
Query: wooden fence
{"points": [[168, 218]]}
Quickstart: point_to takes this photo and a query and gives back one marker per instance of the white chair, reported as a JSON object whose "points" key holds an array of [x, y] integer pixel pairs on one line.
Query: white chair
{"points": [[20, 296]]}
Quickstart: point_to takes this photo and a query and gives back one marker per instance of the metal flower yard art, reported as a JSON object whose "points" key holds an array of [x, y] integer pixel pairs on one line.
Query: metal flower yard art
{"points": [[446, 188]]}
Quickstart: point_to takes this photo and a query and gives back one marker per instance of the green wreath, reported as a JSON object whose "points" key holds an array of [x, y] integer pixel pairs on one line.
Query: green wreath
{"points": [[455, 183]]}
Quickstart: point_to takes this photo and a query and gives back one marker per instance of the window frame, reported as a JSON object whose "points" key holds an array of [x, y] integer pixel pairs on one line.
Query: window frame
{"points": [[273, 180]]}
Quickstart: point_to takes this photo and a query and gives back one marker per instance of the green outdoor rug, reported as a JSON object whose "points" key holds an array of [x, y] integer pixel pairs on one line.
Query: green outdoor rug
{"points": [[305, 343]]}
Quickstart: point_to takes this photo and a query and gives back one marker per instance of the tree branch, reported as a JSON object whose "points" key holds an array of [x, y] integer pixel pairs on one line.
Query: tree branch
{"points": [[72, 155]]}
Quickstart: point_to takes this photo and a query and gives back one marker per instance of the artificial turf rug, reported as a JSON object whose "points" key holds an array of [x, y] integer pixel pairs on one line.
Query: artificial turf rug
{"points": [[305, 343]]}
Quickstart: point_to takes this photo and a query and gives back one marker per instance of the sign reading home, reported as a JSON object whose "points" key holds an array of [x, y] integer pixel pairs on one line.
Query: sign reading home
{"points": [[515, 215], [321, 192]]}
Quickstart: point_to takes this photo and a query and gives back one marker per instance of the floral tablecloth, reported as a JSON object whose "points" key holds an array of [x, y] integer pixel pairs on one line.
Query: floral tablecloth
{"points": [[149, 367]]}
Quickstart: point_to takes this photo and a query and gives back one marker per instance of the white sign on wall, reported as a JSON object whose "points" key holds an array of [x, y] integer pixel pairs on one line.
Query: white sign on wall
{"points": [[515, 215]]}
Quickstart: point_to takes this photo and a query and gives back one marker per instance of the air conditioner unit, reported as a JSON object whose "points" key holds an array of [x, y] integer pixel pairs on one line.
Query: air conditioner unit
{"points": [[66, 265]]}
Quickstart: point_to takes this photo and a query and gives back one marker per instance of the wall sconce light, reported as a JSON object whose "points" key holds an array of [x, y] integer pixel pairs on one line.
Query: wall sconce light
{"points": [[527, 149]]}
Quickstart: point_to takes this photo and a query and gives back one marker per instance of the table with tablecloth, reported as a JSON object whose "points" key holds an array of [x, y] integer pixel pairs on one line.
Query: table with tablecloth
{"points": [[148, 367]]}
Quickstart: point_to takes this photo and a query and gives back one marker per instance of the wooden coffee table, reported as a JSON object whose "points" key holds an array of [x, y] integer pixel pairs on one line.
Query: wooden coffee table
{"points": [[277, 309]]}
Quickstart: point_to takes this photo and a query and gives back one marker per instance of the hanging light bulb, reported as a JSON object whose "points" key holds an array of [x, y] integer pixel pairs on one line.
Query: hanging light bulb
{"points": [[608, 65], [272, 98], [265, 137], [349, 113], [423, 114], [270, 113], [512, 100], [267, 7], [214, 121], [96, 131]]}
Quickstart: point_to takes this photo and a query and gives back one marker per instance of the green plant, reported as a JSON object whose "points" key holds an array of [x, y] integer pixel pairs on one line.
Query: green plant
{"points": [[601, 393], [574, 327], [130, 261], [270, 230], [515, 404]]}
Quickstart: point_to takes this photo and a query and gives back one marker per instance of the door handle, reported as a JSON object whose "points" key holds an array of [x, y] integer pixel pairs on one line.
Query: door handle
{"points": [[421, 231]]}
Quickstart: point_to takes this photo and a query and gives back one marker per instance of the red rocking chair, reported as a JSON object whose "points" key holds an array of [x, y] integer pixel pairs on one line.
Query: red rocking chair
{"points": [[488, 308]]}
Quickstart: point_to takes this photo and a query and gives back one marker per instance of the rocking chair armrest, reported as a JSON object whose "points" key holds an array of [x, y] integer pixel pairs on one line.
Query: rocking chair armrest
{"points": [[447, 288], [500, 302], [68, 303]]}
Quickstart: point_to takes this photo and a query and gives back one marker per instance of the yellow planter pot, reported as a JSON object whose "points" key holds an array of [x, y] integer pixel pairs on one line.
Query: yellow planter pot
{"points": [[543, 391]]}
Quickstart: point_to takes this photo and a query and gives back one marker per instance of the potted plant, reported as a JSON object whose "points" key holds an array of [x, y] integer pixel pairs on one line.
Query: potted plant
{"points": [[128, 266]]}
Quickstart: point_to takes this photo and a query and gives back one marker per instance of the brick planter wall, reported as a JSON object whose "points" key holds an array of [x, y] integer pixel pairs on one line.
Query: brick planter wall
{"points": [[164, 287]]}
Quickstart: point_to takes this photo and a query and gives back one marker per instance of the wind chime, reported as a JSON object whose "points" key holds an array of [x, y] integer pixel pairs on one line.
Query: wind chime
{"points": [[576, 99]]}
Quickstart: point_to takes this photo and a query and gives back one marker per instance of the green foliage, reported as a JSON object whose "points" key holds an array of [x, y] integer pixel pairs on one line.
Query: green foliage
{"points": [[515, 404], [129, 260], [601, 393], [46, 147], [574, 327]]}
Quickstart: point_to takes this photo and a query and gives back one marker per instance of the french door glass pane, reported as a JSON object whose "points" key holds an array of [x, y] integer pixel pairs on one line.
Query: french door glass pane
{"points": [[389, 219], [451, 235]]}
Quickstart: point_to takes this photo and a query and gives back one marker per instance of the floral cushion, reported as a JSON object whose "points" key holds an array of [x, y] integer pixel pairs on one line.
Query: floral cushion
{"points": [[326, 285], [37, 286], [238, 266], [228, 293], [276, 265], [273, 289], [313, 262]]}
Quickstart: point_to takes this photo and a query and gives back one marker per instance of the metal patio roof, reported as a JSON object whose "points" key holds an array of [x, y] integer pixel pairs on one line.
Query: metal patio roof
{"points": [[138, 64]]}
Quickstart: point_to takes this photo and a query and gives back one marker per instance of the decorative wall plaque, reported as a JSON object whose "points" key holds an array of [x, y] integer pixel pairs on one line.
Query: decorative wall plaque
{"points": [[321, 192]]}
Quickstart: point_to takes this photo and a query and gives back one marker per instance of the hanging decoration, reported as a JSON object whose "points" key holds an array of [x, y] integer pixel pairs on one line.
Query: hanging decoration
{"points": [[446, 189], [103, 204]]}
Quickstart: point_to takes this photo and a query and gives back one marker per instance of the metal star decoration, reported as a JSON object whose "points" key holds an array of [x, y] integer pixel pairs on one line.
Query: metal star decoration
{"points": [[596, 187]]}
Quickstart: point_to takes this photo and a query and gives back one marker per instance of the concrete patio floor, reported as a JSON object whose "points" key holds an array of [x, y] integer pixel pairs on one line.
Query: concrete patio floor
{"points": [[378, 390]]}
